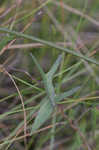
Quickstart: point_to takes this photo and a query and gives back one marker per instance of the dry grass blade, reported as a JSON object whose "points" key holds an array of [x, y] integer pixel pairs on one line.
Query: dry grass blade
{"points": [[37, 45], [31, 45], [18, 2], [6, 47], [2, 69], [76, 128], [7, 11], [77, 12]]}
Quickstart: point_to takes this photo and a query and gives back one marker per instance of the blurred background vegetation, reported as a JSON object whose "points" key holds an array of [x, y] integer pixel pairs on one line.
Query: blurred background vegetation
{"points": [[28, 119]]}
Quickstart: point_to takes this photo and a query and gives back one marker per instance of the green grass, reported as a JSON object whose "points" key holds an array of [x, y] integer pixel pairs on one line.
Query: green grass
{"points": [[49, 94]]}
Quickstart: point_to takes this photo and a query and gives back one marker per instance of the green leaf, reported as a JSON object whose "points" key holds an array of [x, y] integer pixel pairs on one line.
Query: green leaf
{"points": [[62, 96], [54, 67], [46, 108], [49, 44], [38, 66], [43, 115], [47, 78], [26, 83]]}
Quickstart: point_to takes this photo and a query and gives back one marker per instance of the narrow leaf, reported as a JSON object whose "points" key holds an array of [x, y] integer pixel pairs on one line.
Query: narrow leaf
{"points": [[49, 44], [38, 66], [46, 108], [55, 66]]}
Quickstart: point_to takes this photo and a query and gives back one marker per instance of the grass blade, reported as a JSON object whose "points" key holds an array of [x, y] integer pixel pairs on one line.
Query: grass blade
{"points": [[46, 108], [18, 34]]}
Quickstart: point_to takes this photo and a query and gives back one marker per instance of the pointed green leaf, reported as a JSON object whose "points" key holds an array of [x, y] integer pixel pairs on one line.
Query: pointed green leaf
{"points": [[46, 108], [38, 66], [66, 94], [54, 67], [43, 115], [47, 78]]}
